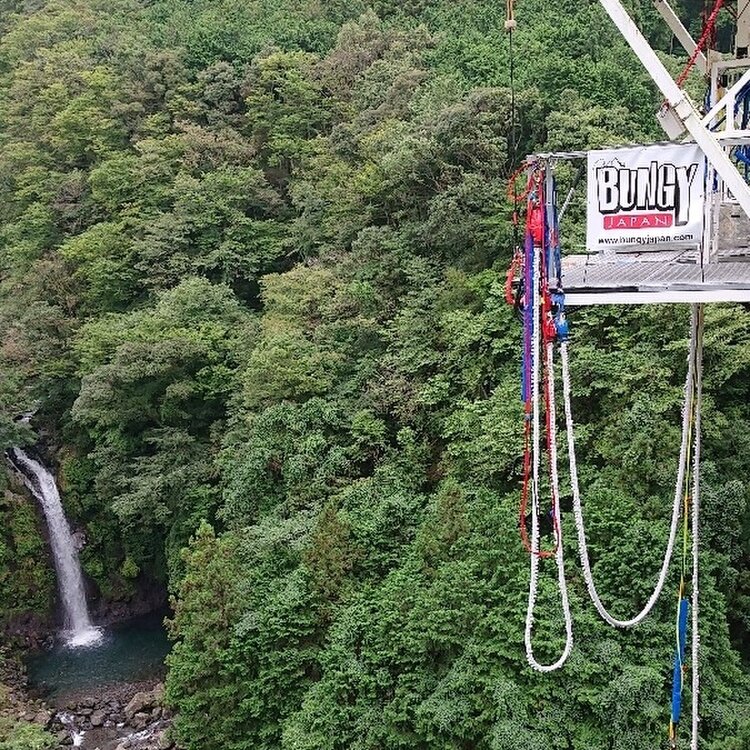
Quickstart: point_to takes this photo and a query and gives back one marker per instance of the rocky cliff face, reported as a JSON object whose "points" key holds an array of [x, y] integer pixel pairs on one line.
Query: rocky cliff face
{"points": [[24, 721], [130, 716], [28, 610], [148, 596], [127, 716]]}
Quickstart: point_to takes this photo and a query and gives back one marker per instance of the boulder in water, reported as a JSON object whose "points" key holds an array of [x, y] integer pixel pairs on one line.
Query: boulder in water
{"points": [[42, 718], [141, 720], [144, 702], [138, 703]]}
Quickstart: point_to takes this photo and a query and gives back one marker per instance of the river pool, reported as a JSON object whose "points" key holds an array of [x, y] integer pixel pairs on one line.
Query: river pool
{"points": [[128, 652]]}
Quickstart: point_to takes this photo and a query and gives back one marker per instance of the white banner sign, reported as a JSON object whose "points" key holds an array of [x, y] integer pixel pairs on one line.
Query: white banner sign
{"points": [[647, 197]]}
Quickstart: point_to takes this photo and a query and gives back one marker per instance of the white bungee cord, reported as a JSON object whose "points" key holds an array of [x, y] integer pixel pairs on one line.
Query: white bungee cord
{"points": [[695, 528], [690, 389], [534, 556], [691, 406], [692, 403], [691, 410]]}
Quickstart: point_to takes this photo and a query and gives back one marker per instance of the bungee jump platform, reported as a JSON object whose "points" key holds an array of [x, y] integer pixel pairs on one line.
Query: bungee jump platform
{"points": [[664, 223]]}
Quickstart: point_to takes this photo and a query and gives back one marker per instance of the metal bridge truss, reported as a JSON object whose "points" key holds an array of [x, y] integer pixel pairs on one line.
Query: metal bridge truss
{"points": [[718, 269]]}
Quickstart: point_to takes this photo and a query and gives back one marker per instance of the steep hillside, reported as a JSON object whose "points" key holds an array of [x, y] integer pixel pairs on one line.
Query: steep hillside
{"points": [[252, 257]]}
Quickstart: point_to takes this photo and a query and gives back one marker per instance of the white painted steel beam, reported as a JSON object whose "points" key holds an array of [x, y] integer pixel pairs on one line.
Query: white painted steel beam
{"points": [[587, 299], [682, 34], [742, 39], [742, 62], [733, 137], [680, 103], [725, 106]]}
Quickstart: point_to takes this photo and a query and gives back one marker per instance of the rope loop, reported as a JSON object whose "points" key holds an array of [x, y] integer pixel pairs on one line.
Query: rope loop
{"points": [[691, 388]]}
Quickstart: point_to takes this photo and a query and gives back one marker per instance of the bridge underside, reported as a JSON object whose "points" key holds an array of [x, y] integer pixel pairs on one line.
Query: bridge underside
{"points": [[656, 277], [670, 274]]}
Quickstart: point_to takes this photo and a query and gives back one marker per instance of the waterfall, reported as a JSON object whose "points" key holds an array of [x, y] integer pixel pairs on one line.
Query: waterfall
{"points": [[41, 482]]}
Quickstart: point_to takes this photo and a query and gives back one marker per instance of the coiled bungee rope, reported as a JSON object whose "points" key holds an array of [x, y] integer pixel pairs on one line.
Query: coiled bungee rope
{"points": [[687, 412], [537, 301], [534, 557], [684, 491]]}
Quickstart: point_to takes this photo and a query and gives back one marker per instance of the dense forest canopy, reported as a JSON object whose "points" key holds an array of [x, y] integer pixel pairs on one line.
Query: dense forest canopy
{"points": [[252, 256]]}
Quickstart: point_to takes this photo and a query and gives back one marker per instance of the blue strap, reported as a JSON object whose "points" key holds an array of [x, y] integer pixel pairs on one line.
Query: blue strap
{"points": [[528, 316], [682, 618], [561, 321]]}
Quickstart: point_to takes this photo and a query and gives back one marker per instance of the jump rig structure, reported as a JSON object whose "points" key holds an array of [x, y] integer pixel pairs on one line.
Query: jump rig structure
{"points": [[665, 223]]}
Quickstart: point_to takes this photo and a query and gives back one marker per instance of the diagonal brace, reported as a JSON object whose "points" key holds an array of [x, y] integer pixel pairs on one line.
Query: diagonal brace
{"points": [[680, 103], [727, 103], [682, 34]]}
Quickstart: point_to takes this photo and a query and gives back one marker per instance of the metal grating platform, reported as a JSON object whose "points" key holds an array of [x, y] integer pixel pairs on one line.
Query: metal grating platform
{"points": [[707, 261], [638, 278]]}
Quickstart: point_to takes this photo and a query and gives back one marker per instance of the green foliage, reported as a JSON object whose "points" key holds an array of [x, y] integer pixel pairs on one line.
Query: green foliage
{"points": [[15, 732], [24, 736], [203, 634], [153, 392], [252, 281], [27, 583]]}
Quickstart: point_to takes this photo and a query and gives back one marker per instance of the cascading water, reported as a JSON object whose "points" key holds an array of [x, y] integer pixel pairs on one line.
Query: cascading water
{"points": [[78, 628]]}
